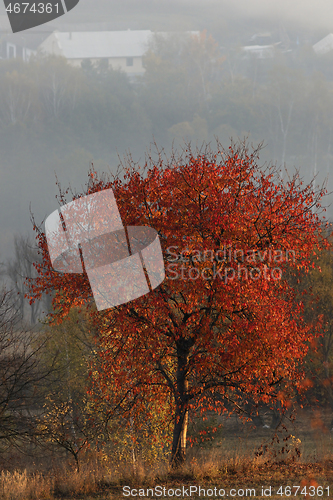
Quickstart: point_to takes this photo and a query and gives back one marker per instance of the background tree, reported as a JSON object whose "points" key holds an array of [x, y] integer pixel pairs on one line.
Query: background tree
{"points": [[18, 271], [177, 84], [203, 62], [319, 304], [23, 375], [67, 421], [60, 86], [19, 97]]}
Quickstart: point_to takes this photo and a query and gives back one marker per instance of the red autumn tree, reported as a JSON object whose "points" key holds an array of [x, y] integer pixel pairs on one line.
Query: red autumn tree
{"points": [[224, 323]]}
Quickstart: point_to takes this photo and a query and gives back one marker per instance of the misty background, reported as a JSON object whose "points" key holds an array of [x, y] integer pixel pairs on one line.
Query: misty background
{"points": [[192, 89]]}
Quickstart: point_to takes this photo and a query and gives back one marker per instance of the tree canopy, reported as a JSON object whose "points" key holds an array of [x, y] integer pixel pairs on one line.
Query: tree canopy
{"points": [[224, 324]]}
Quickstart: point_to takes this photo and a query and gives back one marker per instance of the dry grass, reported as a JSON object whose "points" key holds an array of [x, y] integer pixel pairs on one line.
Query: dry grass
{"points": [[304, 458], [19, 485], [207, 471]]}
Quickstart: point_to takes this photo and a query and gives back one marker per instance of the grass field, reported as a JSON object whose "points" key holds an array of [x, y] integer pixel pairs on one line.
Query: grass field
{"points": [[299, 464]]}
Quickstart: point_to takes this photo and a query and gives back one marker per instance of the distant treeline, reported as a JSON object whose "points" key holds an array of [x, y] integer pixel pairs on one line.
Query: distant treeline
{"points": [[190, 90], [57, 118]]}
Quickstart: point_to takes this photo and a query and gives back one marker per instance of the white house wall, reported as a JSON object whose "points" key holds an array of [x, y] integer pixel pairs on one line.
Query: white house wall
{"points": [[51, 46]]}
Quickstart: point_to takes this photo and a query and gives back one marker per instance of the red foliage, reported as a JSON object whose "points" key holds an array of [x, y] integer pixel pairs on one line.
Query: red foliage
{"points": [[204, 341]]}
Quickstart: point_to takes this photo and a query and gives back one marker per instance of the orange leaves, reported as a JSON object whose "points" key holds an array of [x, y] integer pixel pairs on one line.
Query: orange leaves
{"points": [[225, 323]]}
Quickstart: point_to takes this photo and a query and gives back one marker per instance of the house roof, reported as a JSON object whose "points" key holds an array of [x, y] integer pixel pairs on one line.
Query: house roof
{"points": [[324, 45], [100, 44]]}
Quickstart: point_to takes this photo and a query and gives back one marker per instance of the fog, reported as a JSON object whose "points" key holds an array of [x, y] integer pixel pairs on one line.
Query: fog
{"points": [[284, 100]]}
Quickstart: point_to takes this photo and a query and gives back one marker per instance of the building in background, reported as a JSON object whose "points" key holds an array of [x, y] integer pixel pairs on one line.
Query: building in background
{"points": [[123, 50], [21, 45]]}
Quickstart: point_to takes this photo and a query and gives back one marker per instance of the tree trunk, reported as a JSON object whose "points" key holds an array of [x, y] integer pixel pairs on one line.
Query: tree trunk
{"points": [[178, 454]]}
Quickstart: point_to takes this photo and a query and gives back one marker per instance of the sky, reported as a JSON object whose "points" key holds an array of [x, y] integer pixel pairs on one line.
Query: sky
{"points": [[310, 14]]}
